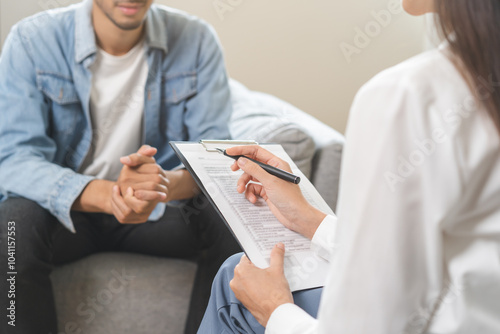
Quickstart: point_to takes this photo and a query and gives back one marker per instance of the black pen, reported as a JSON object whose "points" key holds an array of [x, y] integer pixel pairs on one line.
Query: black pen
{"points": [[284, 175]]}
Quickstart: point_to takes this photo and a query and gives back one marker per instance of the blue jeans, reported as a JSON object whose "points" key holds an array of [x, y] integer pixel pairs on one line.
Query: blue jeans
{"points": [[225, 313]]}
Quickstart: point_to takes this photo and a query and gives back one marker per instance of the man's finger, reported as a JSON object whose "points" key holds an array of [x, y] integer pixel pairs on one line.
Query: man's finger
{"points": [[135, 204], [136, 159], [147, 150], [118, 201], [151, 186], [151, 169], [117, 212], [278, 256], [150, 195]]}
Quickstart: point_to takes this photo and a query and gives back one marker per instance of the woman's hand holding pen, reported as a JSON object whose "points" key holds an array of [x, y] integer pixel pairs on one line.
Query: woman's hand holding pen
{"points": [[284, 198], [263, 290]]}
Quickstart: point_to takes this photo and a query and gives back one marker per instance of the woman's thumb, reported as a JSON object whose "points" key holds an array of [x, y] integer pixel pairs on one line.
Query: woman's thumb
{"points": [[278, 256]]}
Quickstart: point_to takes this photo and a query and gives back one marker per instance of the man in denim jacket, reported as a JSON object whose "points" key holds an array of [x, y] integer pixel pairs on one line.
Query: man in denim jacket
{"points": [[90, 96]]}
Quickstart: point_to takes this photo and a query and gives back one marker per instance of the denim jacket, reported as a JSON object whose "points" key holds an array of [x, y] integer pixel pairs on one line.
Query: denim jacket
{"points": [[45, 126]]}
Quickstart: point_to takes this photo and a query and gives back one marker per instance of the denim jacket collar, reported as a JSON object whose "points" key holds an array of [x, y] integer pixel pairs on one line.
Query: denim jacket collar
{"points": [[85, 42], [156, 30]]}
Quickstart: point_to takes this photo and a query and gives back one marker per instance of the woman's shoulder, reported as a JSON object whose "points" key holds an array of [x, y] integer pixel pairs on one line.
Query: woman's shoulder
{"points": [[428, 74], [423, 86]]}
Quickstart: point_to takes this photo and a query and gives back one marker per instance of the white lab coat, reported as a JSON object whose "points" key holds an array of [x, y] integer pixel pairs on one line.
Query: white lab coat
{"points": [[417, 246]]}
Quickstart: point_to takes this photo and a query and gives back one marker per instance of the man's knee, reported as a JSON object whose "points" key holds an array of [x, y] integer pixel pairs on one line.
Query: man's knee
{"points": [[21, 209], [217, 235], [31, 226]]}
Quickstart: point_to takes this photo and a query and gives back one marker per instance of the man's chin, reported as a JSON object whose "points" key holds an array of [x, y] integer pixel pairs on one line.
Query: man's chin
{"points": [[128, 25]]}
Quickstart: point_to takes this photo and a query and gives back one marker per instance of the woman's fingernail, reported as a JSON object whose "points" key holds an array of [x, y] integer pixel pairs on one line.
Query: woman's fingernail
{"points": [[242, 161], [280, 246]]}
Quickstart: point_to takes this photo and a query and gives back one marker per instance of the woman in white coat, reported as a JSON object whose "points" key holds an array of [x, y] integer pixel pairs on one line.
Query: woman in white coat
{"points": [[417, 238]]}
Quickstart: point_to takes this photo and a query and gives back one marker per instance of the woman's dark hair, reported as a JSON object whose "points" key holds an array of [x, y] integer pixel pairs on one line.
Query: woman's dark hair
{"points": [[472, 29]]}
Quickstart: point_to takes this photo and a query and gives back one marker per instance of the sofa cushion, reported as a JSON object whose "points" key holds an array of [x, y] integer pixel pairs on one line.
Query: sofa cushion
{"points": [[123, 293]]}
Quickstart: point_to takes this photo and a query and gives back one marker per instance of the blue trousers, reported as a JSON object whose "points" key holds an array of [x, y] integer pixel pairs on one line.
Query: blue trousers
{"points": [[225, 314]]}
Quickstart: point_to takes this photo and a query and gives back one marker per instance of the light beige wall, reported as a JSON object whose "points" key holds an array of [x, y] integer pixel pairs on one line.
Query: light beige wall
{"points": [[11, 11], [291, 48]]}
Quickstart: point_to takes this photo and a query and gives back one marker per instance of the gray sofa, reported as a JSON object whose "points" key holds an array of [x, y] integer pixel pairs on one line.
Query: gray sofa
{"points": [[130, 293]]}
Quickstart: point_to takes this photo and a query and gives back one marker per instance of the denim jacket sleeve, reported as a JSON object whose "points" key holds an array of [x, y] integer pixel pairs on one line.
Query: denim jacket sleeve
{"points": [[26, 149], [208, 112]]}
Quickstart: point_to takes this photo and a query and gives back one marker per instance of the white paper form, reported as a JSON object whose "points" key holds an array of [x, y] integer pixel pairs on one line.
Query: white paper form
{"points": [[254, 225]]}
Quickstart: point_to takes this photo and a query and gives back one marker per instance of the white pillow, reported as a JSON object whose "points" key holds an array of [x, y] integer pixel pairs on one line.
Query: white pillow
{"points": [[267, 119]]}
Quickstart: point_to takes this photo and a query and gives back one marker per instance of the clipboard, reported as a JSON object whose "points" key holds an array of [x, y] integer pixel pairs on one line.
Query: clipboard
{"points": [[254, 226], [207, 143]]}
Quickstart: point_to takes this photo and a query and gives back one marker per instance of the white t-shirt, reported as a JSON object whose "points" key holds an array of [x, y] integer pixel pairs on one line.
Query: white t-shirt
{"points": [[417, 241], [116, 109]]}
